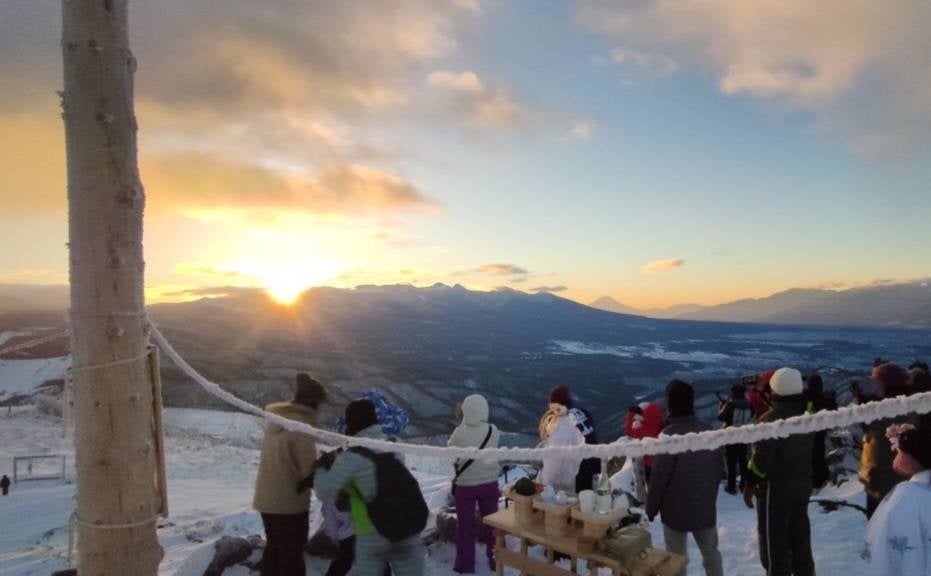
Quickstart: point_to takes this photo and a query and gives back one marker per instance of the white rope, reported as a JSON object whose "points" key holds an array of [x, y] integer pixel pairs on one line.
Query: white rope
{"points": [[127, 526], [710, 440], [105, 365], [74, 520]]}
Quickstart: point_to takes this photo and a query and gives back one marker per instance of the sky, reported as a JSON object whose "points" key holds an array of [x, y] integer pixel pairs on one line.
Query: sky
{"points": [[659, 152]]}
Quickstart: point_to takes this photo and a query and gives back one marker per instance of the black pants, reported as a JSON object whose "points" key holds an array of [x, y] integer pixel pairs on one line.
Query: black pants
{"points": [[820, 473], [285, 537], [784, 533], [584, 480], [736, 465], [341, 565]]}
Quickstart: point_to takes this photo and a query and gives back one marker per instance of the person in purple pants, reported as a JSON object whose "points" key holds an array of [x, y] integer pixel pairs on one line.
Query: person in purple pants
{"points": [[475, 483]]}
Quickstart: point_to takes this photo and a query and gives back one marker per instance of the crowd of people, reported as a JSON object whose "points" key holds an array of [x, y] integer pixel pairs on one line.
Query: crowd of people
{"points": [[374, 513]]}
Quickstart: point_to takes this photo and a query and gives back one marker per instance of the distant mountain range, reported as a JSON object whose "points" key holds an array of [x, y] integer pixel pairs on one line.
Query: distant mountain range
{"points": [[902, 304], [906, 305], [427, 348], [612, 305]]}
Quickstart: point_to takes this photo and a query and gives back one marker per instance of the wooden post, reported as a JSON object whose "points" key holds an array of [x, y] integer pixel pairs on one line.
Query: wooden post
{"points": [[115, 446]]}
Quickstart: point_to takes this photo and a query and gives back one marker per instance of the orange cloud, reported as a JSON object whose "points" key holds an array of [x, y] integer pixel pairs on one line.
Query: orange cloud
{"points": [[465, 96], [502, 270], [204, 182], [662, 265]]}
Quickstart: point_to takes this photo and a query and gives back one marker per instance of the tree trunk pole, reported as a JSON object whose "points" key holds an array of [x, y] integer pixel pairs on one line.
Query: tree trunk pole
{"points": [[115, 446]]}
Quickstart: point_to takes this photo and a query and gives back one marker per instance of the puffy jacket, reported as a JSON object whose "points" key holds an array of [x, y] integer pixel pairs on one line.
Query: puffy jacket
{"points": [[684, 487], [785, 463], [557, 428], [287, 458], [357, 475], [897, 537], [876, 473], [470, 433], [758, 401], [646, 425]]}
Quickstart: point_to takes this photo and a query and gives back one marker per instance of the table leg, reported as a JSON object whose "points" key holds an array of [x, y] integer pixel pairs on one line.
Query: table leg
{"points": [[550, 555], [574, 565], [499, 545]]}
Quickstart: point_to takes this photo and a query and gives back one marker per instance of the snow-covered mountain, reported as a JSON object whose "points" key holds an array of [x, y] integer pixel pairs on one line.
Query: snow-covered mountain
{"points": [[426, 348], [906, 304], [612, 305]]}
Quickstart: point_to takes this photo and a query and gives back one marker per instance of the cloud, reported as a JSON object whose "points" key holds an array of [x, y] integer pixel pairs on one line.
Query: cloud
{"points": [[862, 69], [463, 81], [662, 265], [205, 182], [285, 96], [463, 96], [580, 130], [212, 292], [653, 64], [501, 270], [549, 289], [188, 269]]}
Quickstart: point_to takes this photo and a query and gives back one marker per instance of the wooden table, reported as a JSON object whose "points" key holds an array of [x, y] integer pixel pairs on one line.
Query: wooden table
{"points": [[656, 563]]}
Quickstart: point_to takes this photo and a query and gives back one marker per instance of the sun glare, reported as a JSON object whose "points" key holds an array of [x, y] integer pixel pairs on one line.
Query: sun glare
{"points": [[285, 285]]}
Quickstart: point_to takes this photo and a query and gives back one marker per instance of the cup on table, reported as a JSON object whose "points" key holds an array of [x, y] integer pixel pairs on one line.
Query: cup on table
{"points": [[587, 501]]}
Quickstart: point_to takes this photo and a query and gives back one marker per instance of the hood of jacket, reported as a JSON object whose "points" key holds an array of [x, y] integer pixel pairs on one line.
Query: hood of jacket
{"points": [[291, 411], [474, 410]]}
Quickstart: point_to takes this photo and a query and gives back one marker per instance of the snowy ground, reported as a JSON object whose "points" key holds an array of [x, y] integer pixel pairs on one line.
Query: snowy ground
{"points": [[24, 376], [212, 460]]}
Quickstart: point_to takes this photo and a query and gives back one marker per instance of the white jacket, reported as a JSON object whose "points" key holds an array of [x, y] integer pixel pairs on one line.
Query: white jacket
{"points": [[558, 428], [470, 433], [898, 540]]}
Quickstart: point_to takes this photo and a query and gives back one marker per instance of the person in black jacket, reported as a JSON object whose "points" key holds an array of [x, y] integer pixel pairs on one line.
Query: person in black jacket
{"points": [[5, 485], [684, 487], [780, 478], [736, 411], [818, 401]]}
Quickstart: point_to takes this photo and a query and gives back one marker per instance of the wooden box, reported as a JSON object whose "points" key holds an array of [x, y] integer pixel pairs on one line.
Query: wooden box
{"points": [[523, 506], [557, 518]]}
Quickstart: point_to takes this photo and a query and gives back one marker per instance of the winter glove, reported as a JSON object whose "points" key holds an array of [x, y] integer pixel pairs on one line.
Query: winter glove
{"points": [[325, 460], [305, 484], [342, 501], [748, 495]]}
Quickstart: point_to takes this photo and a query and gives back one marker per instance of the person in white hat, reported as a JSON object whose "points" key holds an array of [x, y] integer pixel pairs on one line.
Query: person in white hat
{"points": [[780, 478]]}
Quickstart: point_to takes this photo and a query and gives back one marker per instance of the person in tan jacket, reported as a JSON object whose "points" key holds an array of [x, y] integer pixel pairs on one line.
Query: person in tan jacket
{"points": [[287, 458]]}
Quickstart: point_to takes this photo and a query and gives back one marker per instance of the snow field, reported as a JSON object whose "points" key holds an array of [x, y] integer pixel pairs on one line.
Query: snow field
{"points": [[212, 463]]}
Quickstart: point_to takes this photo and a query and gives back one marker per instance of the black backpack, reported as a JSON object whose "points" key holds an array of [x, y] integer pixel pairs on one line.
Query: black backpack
{"points": [[398, 510]]}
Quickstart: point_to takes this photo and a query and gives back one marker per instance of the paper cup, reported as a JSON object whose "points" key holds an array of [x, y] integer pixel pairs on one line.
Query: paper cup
{"points": [[587, 501]]}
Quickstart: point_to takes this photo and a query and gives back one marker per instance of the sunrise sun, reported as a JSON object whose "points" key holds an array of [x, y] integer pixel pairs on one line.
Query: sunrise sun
{"points": [[285, 283]]}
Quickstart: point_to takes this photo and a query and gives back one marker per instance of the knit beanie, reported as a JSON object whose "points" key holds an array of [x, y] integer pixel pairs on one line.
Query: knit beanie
{"points": [[916, 442], [561, 395], [680, 399], [787, 382], [309, 391], [360, 414], [891, 378]]}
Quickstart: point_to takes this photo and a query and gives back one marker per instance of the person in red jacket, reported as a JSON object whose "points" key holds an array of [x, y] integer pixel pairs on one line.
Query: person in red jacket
{"points": [[758, 396], [644, 421]]}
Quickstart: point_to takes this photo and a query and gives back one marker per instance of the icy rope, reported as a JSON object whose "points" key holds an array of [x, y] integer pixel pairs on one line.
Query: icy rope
{"points": [[710, 440]]}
